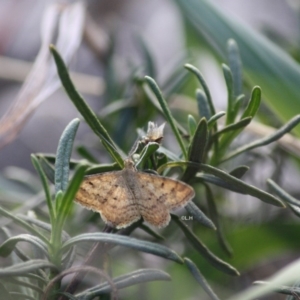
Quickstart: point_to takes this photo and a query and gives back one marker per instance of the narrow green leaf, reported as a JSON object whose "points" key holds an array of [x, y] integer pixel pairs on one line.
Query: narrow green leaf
{"points": [[84, 152], [151, 232], [212, 121], [233, 130], [4, 292], [64, 202], [36, 222], [51, 158], [41, 224], [205, 252], [282, 194], [229, 133], [172, 164], [177, 79], [146, 153], [63, 155], [204, 177], [266, 140], [58, 199], [294, 290], [235, 66], [197, 149], [237, 104], [151, 96], [295, 209], [286, 275], [253, 104], [168, 153], [123, 281], [48, 169], [219, 182], [233, 127], [43, 177], [213, 212], [20, 253], [69, 258], [69, 195], [147, 57], [139, 245], [239, 171], [231, 180], [95, 169], [42, 281], [248, 189], [198, 144], [199, 215], [203, 105], [154, 87], [8, 246], [23, 224], [116, 106], [161, 159], [200, 278], [285, 290], [264, 63], [26, 267], [85, 110], [22, 283], [84, 269], [200, 77], [192, 125], [230, 115]]}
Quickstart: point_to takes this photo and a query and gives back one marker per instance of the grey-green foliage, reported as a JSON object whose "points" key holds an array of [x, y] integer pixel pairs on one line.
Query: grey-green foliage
{"points": [[198, 164]]}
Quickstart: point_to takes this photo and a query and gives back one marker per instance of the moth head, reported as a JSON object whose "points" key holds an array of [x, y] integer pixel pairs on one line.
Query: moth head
{"points": [[129, 164]]}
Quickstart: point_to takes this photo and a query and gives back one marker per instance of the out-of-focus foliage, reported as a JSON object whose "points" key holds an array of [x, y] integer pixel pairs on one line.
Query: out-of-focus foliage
{"points": [[264, 63]]}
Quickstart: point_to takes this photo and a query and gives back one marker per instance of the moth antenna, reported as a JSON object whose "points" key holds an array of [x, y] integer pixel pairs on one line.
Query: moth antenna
{"points": [[134, 148]]}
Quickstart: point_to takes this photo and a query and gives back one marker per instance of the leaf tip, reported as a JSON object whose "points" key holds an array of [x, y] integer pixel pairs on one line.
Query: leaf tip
{"points": [[52, 48]]}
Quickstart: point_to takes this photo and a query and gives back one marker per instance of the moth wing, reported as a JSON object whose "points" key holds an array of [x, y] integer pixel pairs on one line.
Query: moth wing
{"points": [[108, 194], [159, 195]]}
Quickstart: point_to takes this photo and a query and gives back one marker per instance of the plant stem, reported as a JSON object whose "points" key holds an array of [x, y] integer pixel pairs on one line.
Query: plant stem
{"points": [[98, 249]]}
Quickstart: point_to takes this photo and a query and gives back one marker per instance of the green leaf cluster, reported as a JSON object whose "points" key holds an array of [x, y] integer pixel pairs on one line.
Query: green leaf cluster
{"points": [[204, 143]]}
